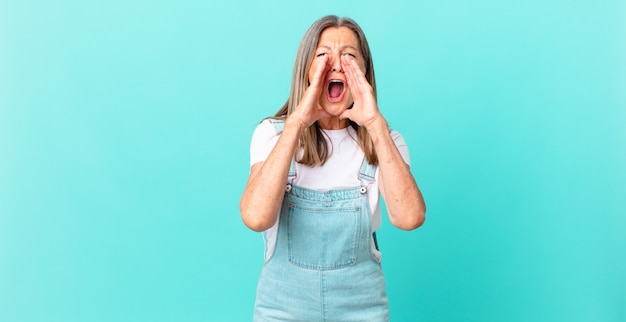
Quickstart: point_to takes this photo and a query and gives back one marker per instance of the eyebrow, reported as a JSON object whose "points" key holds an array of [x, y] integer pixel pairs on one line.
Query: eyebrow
{"points": [[342, 47]]}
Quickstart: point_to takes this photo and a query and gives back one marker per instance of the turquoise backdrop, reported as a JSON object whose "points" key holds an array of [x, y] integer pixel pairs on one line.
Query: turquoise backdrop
{"points": [[125, 129]]}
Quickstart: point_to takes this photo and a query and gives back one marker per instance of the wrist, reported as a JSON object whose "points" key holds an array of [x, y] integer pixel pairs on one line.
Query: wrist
{"points": [[377, 126], [295, 123]]}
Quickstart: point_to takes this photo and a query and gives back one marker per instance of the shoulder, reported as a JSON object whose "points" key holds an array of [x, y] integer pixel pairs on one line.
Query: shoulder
{"points": [[397, 137], [268, 127], [394, 133], [400, 143], [264, 138]]}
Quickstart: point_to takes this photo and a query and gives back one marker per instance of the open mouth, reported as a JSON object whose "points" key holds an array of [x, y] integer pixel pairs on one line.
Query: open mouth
{"points": [[335, 90]]}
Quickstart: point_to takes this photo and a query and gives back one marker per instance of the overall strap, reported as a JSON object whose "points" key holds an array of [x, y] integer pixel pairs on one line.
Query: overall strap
{"points": [[367, 177], [366, 174], [279, 124]]}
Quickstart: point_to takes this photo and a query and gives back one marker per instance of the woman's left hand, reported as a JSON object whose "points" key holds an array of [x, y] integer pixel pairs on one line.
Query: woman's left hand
{"points": [[405, 204], [365, 109]]}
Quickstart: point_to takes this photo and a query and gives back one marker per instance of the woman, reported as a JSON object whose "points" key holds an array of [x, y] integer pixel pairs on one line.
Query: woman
{"points": [[318, 169]]}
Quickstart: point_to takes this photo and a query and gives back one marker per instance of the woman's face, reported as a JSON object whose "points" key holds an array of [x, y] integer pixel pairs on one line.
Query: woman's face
{"points": [[336, 42]]}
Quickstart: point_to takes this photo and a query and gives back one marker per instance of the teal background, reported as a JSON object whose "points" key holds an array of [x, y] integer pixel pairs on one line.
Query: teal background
{"points": [[125, 129]]}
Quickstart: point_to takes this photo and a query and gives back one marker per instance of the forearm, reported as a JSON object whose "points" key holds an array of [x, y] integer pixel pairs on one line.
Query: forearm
{"points": [[265, 189], [405, 204]]}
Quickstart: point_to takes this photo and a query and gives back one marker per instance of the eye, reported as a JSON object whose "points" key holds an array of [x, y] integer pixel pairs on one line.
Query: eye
{"points": [[321, 54], [350, 54]]}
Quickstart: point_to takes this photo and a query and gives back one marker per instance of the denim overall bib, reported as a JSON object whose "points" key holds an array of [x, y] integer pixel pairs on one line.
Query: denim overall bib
{"points": [[323, 267]]}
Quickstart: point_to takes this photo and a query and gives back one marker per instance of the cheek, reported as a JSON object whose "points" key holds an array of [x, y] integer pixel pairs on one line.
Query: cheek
{"points": [[362, 66]]}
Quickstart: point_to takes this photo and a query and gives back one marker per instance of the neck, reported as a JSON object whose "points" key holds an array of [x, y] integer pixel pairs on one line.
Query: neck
{"points": [[332, 123]]}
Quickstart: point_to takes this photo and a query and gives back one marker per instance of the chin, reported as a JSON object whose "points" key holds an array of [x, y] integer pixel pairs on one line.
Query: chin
{"points": [[335, 109]]}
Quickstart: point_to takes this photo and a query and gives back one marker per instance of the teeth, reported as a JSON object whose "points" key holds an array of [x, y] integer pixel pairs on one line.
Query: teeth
{"points": [[335, 81]]}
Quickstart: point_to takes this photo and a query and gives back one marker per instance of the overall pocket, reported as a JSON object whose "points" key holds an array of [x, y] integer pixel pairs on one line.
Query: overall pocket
{"points": [[323, 238]]}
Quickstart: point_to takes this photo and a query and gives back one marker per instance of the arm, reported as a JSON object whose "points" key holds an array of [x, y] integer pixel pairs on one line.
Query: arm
{"points": [[405, 204], [265, 189]]}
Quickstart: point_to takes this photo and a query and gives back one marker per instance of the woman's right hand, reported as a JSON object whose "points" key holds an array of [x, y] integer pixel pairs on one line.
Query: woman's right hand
{"points": [[309, 110], [264, 192]]}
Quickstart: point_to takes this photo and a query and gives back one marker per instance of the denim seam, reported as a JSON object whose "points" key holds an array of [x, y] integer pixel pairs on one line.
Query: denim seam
{"points": [[322, 295]]}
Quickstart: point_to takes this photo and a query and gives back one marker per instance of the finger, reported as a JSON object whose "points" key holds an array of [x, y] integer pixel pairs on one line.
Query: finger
{"points": [[319, 65], [347, 68], [322, 65], [358, 77], [350, 69]]}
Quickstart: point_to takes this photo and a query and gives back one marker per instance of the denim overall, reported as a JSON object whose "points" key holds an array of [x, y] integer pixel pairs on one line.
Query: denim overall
{"points": [[323, 267]]}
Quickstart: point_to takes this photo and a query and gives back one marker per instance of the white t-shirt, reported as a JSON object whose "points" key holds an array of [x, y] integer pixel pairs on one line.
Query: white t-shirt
{"points": [[341, 169]]}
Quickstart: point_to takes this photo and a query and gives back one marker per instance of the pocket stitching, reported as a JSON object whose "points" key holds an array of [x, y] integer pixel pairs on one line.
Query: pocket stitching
{"points": [[352, 256]]}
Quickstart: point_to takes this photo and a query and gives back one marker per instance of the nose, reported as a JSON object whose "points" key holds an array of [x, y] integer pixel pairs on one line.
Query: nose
{"points": [[336, 63]]}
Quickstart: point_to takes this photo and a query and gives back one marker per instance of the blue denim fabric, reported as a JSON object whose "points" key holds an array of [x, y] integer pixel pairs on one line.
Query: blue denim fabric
{"points": [[323, 267]]}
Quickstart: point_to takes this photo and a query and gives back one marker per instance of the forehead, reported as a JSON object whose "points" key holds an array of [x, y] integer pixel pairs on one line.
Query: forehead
{"points": [[342, 36]]}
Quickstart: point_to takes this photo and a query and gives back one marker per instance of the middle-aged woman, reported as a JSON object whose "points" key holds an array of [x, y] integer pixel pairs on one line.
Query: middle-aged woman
{"points": [[318, 169]]}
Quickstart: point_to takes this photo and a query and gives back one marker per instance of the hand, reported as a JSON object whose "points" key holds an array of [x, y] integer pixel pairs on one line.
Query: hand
{"points": [[365, 109], [309, 110]]}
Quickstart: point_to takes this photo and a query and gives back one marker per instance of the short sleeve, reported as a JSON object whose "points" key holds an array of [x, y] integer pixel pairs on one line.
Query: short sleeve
{"points": [[401, 145], [264, 139]]}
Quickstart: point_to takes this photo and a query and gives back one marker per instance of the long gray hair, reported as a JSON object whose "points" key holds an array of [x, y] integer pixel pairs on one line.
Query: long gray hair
{"points": [[314, 146]]}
